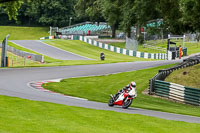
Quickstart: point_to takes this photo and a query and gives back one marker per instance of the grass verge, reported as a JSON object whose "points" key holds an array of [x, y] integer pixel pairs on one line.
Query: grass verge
{"points": [[17, 61], [80, 48], [46, 58], [23, 33], [192, 47], [19, 115], [188, 76], [93, 52], [98, 88], [140, 48]]}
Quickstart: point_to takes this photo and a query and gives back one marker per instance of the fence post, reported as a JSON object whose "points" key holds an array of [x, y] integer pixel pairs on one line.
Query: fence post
{"points": [[24, 60], [4, 52], [151, 87]]}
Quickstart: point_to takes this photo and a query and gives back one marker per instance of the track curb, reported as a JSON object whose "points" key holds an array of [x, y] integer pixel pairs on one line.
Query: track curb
{"points": [[38, 85]]}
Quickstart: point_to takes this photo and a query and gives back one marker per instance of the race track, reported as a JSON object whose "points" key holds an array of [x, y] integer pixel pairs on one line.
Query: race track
{"points": [[15, 82], [48, 50]]}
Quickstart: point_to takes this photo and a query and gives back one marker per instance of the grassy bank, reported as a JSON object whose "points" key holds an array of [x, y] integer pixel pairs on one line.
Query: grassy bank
{"points": [[141, 48], [19, 115], [79, 48], [192, 47], [188, 76], [46, 58], [23, 33], [17, 61], [87, 50], [99, 88]]}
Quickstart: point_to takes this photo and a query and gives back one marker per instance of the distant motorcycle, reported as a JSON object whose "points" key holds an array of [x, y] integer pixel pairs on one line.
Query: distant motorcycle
{"points": [[123, 99]]}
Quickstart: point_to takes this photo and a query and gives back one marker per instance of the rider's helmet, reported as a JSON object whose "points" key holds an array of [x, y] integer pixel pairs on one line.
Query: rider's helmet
{"points": [[133, 84]]}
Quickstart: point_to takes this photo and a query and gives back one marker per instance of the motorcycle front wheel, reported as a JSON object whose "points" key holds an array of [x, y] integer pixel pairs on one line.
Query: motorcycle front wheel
{"points": [[127, 103], [110, 102]]}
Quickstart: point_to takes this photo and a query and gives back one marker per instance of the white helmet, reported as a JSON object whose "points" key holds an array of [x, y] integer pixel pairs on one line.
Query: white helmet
{"points": [[133, 84]]}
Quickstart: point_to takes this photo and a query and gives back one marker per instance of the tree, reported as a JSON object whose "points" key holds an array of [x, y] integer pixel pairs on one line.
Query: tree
{"points": [[89, 9], [190, 14], [97, 10], [40, 12], [128, 19], [12, 7], [170, 12], [137, 13], [112, 13], [3, 1], [50, 12]]}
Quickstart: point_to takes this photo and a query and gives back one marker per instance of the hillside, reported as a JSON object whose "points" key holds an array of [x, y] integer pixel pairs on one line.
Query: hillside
{"points": [[188, 76], [23, 33]]}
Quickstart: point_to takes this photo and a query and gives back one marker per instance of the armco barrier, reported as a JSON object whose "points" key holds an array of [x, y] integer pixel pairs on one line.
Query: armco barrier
{"points": [[177, 92], [174, 91], [138, 54], [24, 54]]}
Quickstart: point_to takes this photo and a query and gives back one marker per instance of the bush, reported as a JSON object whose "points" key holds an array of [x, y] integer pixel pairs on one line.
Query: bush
{"points": [[140, 39]]}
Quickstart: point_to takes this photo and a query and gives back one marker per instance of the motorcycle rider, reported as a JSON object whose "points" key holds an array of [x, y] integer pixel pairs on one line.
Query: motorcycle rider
{"points": [[130, 86]]}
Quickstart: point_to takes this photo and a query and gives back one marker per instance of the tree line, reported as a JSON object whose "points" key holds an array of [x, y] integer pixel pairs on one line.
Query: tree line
{"points": [[179, 16], [37, 12]]}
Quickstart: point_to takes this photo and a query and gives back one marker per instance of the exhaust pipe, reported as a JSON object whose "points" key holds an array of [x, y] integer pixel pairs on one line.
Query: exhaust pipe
{"points": [[112, 97]]}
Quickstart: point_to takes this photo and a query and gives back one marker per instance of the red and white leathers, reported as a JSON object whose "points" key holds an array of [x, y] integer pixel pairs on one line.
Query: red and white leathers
{"points": [[128, 87]]}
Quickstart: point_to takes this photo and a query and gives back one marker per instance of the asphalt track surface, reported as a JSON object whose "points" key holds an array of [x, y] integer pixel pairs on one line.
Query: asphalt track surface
{"points": [[15, 82], [48, 50]]}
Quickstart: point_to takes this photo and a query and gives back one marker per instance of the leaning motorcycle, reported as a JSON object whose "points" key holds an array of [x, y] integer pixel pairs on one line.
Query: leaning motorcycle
{"points": [[123, 99]]}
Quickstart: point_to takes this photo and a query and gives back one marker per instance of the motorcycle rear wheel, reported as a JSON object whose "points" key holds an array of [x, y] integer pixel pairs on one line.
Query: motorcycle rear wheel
{"points": [[110, 102], [126, 104]]}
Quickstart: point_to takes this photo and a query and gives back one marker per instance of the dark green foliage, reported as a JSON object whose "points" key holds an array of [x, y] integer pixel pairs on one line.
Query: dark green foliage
{"points": [[40, 12], [179, 16], [191, 14], [89, 10], [112, 13], [170, 11], [50, 12], [11, 7]]}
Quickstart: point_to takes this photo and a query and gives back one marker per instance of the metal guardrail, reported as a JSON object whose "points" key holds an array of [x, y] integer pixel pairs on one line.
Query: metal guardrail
{"points": [[162, 74], [177, 92], [174, 91], [122, 50], [24, 54]]}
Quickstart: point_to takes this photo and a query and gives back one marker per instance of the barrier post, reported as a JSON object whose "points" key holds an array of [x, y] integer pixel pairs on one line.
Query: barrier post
{"points": [[4, 52], [151, 86], [7, 61]]}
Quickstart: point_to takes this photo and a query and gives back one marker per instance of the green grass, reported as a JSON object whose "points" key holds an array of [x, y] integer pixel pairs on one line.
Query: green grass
{"points": [[140, 48], [19, 115], [192, 47], [99, 88], [87, 50], [23, 33], [188, 76], [79, 48], [17, 61], [46, 58]]}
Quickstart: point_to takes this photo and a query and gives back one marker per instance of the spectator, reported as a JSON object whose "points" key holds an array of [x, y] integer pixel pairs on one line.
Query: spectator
{"points": [[180, 51]]}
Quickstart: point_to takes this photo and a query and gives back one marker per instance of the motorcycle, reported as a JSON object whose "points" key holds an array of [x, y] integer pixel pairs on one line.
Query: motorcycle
{"points": [[123, 99]]}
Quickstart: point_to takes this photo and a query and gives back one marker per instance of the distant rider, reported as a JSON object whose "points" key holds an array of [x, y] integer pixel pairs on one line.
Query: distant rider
{"points": [[131, 86]]}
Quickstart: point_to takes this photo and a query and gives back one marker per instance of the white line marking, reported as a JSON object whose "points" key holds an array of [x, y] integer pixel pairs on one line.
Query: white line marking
{"points": [[26, 48], [64, 50]]}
